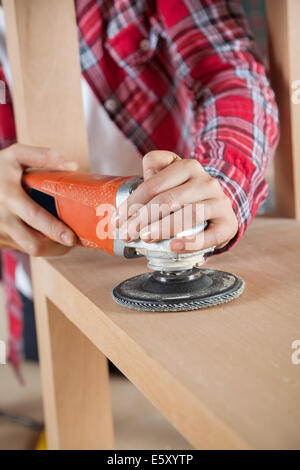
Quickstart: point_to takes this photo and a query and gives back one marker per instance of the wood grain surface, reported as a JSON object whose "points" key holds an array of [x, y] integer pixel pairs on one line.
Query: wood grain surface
{"points": [[43, 53], [283, 18], [223, 375]]}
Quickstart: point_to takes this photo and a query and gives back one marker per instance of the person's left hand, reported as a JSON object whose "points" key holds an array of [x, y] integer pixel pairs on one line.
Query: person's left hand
{"points": [[183, 192]]}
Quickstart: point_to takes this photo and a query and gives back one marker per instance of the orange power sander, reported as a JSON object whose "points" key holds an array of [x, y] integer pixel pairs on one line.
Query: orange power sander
{"points": [[177, 283]]}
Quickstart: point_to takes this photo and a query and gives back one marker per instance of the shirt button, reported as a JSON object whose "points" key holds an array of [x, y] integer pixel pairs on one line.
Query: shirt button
{"points": [[145, 45], [110, 105]]}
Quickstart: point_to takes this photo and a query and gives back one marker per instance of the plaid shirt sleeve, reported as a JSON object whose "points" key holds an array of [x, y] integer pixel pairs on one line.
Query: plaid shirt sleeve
{"points": [[7, 124], [236, 117], [10, 257]]}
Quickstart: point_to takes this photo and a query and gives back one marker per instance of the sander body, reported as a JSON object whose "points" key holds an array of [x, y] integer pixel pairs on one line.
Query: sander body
{"points": [[87, 204]]}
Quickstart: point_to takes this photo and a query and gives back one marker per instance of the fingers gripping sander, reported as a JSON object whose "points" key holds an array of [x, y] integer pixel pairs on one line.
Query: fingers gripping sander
{"points": [[83, 201]]}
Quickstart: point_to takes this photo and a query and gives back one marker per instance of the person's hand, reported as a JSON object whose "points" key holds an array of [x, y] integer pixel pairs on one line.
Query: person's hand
{"points": [[185, 194], [24, 225]]}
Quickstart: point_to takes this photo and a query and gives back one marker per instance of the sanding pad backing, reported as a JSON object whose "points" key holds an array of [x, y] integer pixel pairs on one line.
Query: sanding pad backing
{"points": [[146, 292]]}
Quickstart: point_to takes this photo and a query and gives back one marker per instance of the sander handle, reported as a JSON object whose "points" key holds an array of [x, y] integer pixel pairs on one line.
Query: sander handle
{"points": [[78, 199]]}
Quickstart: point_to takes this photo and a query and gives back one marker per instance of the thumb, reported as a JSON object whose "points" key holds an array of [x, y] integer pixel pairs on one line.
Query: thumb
{"points": [[157, 160], [41, 157]]}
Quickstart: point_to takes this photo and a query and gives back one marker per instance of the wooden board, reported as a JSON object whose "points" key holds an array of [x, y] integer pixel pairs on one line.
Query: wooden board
{"points": [[283, 18], [74, 377], [43, 53], [223, 376]]}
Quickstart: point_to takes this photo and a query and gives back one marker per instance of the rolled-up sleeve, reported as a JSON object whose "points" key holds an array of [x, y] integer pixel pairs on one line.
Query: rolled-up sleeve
{"points": [[235, 128]]}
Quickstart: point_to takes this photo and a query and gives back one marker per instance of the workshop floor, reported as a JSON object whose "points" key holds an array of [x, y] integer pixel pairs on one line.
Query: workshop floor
{"points": [[138, 425]]}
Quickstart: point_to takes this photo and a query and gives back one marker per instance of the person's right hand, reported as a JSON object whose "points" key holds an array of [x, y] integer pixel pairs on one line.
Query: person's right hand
{"points": [[24, 225]]}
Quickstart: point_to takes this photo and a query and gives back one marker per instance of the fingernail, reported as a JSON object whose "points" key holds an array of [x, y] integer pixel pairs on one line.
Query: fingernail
{"points": [[67, 238], [132, 212], [116, 220], [69, 166], [177, 245], [145, 234]]}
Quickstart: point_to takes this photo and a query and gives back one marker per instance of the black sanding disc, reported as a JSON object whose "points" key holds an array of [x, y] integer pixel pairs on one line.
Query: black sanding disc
{"points": [[146, 292]]}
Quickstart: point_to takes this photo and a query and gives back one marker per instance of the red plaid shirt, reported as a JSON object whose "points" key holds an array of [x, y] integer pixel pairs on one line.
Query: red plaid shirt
{"points": [[184, 75]]}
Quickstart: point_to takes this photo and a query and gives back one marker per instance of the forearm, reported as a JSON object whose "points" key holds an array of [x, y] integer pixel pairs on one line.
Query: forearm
{"points": [[237, 145]]}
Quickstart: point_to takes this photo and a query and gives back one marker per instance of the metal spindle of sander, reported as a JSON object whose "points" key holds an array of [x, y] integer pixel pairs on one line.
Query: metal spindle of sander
{"points": [[177, 283]]}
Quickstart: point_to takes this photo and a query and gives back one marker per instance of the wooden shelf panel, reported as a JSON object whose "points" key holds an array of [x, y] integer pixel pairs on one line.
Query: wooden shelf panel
{"points": [[223, 376]]}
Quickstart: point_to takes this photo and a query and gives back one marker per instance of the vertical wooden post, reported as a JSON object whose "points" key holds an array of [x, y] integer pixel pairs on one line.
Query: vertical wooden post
{"points": [[283, 19], [75, 380], [43, 52]]}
